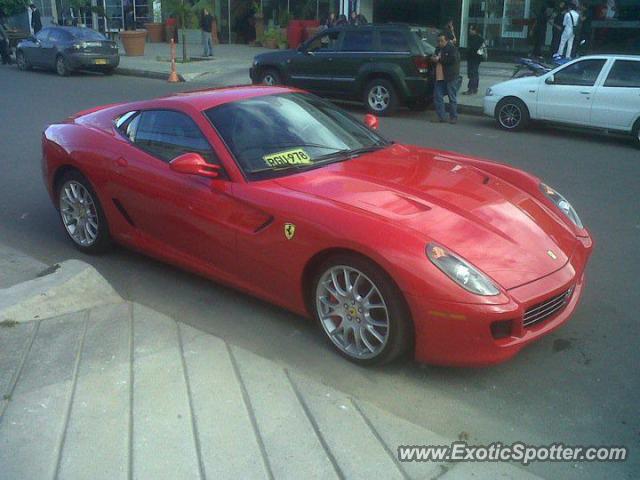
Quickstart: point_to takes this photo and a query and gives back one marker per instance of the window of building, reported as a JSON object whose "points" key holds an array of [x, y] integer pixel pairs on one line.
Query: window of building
{"points": [[624, 73], [358, 41]]}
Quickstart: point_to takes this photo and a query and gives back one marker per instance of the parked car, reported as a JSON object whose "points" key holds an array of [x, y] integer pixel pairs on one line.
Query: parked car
{"points": [[65, 49], [382, 65], [393, 249], [599, 91]]}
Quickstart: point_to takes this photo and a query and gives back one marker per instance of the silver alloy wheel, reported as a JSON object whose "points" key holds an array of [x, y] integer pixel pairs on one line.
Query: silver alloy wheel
{"points": [[510, 116], [269, 79], [79, 214], [352, 312], [379, 98], [60, 66], [21, 61]]}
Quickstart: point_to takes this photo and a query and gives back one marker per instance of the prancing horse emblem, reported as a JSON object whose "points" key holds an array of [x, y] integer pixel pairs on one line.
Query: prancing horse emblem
{"points": [[289, 230], [551, 254]]}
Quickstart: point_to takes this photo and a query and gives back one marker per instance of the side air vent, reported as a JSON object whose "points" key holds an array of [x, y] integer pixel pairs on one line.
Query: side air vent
{"points": [[123, 212]]}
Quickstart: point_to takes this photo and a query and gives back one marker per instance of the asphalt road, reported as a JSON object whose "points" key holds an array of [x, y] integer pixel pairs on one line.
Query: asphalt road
{"points": [[580, 385]]}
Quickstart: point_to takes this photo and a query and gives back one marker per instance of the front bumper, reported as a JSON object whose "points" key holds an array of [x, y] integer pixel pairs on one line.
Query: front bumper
{"points": [[253, 74], [457, 334], [92, 61]]}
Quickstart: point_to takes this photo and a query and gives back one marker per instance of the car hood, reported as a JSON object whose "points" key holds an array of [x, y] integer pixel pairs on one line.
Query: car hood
{"points": [[517, 82], [277, 57], [496, 226]]}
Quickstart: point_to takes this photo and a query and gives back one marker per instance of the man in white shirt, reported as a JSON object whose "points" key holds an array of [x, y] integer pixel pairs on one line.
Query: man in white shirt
{"points": [[571, 20]]}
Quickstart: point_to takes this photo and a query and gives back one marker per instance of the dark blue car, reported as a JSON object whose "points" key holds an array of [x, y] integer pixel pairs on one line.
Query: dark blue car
{"points": [[65, 49]]}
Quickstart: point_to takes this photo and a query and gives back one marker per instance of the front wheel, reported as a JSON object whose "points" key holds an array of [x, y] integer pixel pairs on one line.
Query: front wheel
{"points": [[512, 114], [636, 133], [61, 66], [380, 97], [81, 214], [360, 310], [22, 62], [270, 77]]}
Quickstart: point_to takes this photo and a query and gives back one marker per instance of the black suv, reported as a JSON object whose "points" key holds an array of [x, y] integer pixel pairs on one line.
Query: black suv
{"points": [[382, 65]]}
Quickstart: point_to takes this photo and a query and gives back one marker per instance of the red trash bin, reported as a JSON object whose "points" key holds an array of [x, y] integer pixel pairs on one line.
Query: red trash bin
{"points": [[295, 31]]}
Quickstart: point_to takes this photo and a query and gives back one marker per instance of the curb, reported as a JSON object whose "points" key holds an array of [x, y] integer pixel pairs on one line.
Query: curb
{"points": [[67, 287], [132, 72]]}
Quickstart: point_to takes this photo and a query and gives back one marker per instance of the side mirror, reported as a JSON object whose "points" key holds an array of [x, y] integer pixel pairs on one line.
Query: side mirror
{"points": [[194, 164], [550, 80], [371, 121]]}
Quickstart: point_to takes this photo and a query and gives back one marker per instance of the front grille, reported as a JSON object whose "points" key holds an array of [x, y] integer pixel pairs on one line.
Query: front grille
{"points": [[546, 309]]}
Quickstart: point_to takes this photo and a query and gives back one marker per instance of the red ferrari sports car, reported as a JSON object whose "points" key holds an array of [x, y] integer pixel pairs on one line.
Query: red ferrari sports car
{"points": [[393, 249]]}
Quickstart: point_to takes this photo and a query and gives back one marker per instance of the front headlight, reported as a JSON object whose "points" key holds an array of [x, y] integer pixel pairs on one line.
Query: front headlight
{"points": [[562, 203], [461, 271], [489, 92], [255, 63]]}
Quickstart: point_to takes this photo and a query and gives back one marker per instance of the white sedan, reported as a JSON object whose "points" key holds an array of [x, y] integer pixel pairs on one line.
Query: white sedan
{"points": [[598, 91]]}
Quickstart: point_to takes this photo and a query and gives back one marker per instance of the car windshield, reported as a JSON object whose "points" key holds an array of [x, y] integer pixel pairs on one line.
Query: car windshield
{"points": [[86, 34], [276, 135]]}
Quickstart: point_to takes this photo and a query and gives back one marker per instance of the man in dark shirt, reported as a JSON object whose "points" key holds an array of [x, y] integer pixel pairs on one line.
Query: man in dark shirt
{"points": [[36, 22], [540, 28], [473, 60], [448, 79], [4, 45]]}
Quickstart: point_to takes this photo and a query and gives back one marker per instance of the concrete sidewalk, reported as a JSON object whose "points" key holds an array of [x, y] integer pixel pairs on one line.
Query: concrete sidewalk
{"points": [[230, 66], [119, 390]]}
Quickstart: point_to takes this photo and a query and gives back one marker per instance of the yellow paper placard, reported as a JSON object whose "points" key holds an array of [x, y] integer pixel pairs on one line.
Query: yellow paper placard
{"points": [[290, 157]]}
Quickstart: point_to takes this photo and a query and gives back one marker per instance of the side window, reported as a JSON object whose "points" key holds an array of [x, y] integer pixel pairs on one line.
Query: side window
{"points": [[324, 43], [391, 41], [358, 41], [624, 73], [166, 135], [583, 73]]}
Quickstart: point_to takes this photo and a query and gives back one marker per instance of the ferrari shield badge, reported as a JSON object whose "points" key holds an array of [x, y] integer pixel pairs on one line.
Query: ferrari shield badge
{"points": [[551, 254], [289, 230]]}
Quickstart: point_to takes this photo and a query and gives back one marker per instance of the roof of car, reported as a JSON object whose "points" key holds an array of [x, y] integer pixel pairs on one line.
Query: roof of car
{"points": [[205, 99], [612, 55]]}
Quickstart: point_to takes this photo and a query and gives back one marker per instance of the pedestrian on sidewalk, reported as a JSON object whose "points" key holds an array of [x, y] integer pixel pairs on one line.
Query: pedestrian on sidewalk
{"points": [[448, 79], [558, 19], [570, 27], [36, 22], [5, 52], [540, 28], [474, 58], [450, 31], [206, 23], [330, 22]]}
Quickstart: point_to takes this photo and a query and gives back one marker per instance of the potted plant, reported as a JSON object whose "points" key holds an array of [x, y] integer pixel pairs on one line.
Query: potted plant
{"points": [[271, 38], [133, 42], [283, 22], [155, 31]]}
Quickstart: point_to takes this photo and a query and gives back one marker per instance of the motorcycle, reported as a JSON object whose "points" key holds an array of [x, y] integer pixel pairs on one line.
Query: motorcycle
{"points": [[528, 67]]}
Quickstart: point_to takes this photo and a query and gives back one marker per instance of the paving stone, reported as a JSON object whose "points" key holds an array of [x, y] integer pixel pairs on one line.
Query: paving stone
{"points": [[98, 427]]}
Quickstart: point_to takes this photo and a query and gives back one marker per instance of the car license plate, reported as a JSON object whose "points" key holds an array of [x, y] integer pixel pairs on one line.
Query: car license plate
{"points": [[100, 61]]}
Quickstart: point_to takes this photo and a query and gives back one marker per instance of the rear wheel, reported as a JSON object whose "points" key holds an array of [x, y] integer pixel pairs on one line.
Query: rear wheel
{"points": [[512, 114], [270, 77], [636, 133], [360, 310], [22, 62], [81, 214], [380, 97], [61, 66]]}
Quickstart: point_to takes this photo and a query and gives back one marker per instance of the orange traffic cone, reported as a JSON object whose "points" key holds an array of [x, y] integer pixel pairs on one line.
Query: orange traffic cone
{"points": [[173, 76]]}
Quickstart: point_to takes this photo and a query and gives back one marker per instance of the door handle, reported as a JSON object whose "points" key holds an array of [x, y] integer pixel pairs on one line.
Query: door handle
{"points": [[122, 162], [585, 93]]}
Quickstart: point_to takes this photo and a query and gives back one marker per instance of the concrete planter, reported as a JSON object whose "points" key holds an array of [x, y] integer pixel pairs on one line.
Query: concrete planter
{"points": [[133, 42], [155, 32], [193, 36]]}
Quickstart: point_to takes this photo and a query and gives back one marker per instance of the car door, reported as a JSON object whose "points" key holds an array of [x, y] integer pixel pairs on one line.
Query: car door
{"points": [[357, 49], [567, 95], [182, 214], [49, 47], [616, 104], [311, 68], [34, 52]]}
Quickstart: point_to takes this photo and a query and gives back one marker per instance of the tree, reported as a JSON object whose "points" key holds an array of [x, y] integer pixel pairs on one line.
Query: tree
{"points": [[12, 7]]}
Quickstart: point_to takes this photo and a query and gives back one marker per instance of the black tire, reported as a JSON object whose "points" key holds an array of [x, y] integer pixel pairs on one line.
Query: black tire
{"points": [[22, 62], [62, 68], [102, 241], [270, 77], [380, 97], [636, 133], [399, 339], [511, 114]]}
